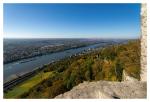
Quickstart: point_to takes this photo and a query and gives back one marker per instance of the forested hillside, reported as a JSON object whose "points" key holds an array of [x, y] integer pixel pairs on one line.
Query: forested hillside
{"points": [[103, 64]]}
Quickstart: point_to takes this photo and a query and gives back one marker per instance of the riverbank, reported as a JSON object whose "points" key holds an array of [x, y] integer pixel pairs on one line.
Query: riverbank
{"points": [[26, 85], [17, 49], [13, 70], [38, 55]]}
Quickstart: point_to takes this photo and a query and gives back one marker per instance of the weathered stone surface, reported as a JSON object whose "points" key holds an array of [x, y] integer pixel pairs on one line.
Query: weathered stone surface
{"points": [[126, 77], [143, 74], [107, 90]]}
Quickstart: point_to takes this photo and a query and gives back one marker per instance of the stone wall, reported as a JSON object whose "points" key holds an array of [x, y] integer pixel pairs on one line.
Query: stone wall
{"points": [[143, 43]]}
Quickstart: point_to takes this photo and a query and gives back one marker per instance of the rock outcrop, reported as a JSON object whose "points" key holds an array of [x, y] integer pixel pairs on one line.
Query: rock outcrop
{"points": [[107, 90], [126, 77]]}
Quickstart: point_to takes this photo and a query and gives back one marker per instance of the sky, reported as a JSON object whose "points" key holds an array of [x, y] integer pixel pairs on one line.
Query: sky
{"points": [[71, 20]]}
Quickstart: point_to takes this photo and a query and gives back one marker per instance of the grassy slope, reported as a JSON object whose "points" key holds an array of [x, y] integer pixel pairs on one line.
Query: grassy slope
{"points": [[27, 85]]}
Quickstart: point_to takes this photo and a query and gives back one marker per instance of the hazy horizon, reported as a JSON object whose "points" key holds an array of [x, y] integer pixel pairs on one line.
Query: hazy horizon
{"points": [[72, 37]]}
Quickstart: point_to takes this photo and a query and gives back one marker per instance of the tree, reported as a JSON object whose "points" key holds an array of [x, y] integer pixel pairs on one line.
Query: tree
{"points": [[119, 70]]}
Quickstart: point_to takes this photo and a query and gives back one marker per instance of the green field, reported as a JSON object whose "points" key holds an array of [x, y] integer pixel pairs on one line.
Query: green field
{"points": [[27, 85]]}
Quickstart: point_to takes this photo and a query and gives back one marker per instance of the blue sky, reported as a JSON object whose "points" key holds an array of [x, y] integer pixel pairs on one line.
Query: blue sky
{"points": [[71, 20]]}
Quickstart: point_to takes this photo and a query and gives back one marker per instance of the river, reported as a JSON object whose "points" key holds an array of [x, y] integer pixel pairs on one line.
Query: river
{"points": [[12, 70]]}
